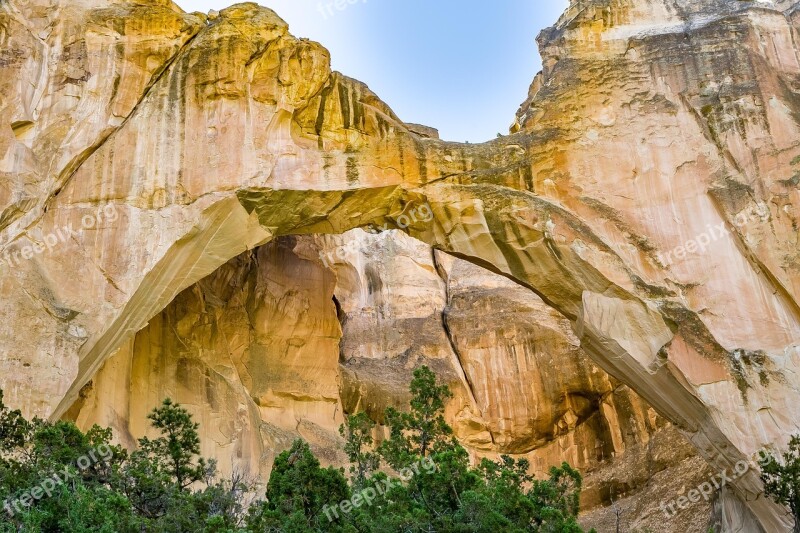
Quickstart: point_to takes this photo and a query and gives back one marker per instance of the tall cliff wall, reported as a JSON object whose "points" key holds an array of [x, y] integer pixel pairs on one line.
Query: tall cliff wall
{"points": [[615, 283], [280, 342]]}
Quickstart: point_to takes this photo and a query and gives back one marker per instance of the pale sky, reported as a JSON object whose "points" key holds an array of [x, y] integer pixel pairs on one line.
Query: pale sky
{"points": [[461, 66]]}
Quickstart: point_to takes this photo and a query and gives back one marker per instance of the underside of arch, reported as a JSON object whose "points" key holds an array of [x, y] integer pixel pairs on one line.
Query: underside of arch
{"points": [[654, 209]]}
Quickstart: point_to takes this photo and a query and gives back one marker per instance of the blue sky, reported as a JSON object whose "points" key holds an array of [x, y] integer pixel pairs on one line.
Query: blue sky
{"points": [[461, 66]]}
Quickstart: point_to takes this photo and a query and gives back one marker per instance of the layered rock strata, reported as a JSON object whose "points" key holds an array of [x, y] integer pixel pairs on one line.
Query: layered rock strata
{"points": [[649, 196], [281, 342]]}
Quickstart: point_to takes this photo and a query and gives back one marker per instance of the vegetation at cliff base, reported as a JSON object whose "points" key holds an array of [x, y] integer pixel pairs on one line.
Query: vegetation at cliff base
{"points": [[56, 478], [781, 479]]}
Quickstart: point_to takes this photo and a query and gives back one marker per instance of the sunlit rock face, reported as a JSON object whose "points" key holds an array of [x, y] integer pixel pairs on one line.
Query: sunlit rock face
{"points": [[648, 198], [252, 351], [279, 343], [72, 74]]}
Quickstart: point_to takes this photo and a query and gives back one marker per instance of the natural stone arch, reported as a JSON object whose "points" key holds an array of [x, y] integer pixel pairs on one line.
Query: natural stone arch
{"points": [[485, 229], [245, 135]]}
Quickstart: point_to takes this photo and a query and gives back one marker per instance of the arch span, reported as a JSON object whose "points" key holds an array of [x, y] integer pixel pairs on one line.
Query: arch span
{"points": [[622, 157]]}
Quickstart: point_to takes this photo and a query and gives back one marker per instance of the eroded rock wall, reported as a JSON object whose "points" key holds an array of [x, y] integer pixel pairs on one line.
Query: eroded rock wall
{"points": [[649, 197], [281, 342]]}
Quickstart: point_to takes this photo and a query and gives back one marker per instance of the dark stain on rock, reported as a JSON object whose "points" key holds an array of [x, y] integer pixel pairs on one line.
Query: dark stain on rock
{"points": [[78, 81], [383, 127], [211, 393], [755, 360], [792, 182], [401, 150], [421, 161], [323, 100], [358, 111], [733, 194], [344, 103], [527, 176], [115, 87], [327, 164], [688, 324], [374, 283], [352, 170]]}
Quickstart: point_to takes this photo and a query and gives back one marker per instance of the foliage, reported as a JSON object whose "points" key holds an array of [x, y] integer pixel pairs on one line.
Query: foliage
{"points": [[14, 429], [100, 487], [422, 430], [297, 492], [174, 451], [357, 433], [419, 479], [782, 478], [453, 496]]}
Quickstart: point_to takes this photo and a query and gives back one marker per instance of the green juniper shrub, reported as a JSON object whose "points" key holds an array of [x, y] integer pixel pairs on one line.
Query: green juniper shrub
{"points": [[102, 488], [357, 433], [781, 478], [297, 492], [452, 496], [418, 479]]}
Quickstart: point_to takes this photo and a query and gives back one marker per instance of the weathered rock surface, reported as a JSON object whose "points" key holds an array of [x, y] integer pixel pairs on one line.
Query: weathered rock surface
{"points": [[649, 198], [279, 343]]}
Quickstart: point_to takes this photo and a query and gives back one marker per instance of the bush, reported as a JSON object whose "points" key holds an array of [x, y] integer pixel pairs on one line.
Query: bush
{"points": [[418, 480], [782, 478]]}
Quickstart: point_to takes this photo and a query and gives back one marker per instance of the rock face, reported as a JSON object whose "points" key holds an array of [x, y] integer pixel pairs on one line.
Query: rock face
{"points": [[618, 275], [280, 342]]}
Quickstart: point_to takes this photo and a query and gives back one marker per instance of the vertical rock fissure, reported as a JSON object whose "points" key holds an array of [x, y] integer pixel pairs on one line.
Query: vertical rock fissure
{"points": [[458, 365], [342, 318], [712, 138], [759, 267]]}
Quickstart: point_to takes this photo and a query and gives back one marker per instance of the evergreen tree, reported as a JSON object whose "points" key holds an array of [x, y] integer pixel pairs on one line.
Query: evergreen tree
{"points": [[557, 500], [101, 488], [165, 487], [453, 496], [14, 429], [422, 430], [53, 478], [178, 445], [782, 479], [157, 478], [357, 432], [298, 493]]}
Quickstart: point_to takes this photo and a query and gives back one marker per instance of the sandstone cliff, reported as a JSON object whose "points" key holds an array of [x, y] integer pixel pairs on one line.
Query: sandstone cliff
{"points": [[614, 284], [281, 342]]}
